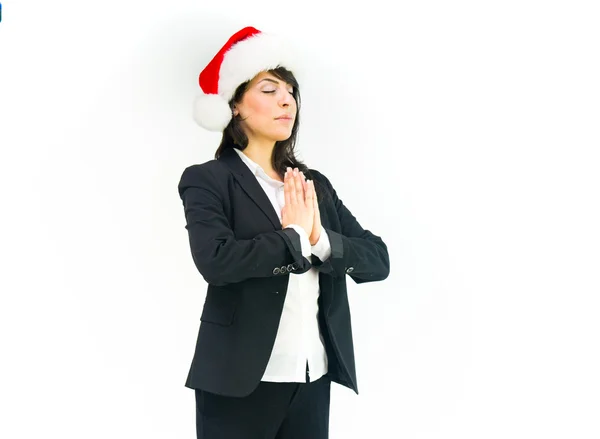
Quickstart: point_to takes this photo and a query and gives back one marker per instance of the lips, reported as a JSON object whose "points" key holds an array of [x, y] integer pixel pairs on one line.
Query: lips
{"points": [[284, 117]]}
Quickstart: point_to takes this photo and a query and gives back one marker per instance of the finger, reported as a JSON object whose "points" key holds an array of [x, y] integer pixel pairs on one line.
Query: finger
{"points": [[316, 201], [299, 184], [287, 188], [309, 196], [304, 183], [312, 187], [299, 188], [294, 189]]}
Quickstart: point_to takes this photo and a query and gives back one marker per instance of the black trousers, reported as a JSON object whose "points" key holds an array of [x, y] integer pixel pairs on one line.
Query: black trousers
{"points": [[271, 411]]}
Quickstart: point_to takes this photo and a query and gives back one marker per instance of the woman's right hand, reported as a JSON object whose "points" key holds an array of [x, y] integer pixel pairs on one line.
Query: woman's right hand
{"points": [[299, 204]]}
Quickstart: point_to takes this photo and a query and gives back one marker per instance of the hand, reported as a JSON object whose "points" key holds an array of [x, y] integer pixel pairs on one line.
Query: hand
{"points": [[299, 203], [316, 230]]}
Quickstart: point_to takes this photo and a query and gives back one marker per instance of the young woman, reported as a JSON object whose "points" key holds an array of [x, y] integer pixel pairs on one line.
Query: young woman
{"points": [[274, 243]]}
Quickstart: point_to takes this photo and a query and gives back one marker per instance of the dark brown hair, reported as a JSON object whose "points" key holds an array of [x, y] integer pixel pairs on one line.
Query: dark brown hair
{"points": [[283, 152]]}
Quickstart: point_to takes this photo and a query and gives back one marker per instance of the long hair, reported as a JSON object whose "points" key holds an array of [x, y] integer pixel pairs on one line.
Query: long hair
{"points": [[283, 152]]}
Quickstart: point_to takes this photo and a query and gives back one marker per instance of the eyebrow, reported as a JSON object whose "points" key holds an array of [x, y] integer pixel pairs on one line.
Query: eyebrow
{"points": [[270, 80]]}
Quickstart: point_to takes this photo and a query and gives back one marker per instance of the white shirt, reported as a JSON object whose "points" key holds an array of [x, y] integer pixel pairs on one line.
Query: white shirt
{"points": [[298, 337]]}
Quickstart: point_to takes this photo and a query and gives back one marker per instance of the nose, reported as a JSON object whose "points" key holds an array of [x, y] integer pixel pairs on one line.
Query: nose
{"points": [[286, 99]]}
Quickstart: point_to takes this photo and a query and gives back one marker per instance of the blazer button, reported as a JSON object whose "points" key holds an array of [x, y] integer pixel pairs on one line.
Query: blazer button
{"points": [[283, 269], [350, 270], [290, 267], [276, 270], [295, 265]]}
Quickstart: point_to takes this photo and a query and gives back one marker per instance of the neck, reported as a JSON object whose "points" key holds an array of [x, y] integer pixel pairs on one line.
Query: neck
{"points": [[261, 153]]}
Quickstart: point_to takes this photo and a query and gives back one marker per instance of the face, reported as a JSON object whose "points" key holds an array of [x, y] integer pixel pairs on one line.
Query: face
{"points": [[268, 109]]}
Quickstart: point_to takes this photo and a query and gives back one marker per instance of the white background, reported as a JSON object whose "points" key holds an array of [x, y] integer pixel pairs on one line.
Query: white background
{"points": [[464, 133]]}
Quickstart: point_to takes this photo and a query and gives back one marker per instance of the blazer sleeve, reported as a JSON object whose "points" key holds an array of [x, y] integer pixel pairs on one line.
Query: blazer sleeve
{"points": [[219, 257], [355, 251]]}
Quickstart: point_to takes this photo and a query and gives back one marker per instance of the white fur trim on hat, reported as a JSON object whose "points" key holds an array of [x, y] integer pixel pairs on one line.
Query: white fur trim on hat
{"points": [[211, 112], [251, 56]]}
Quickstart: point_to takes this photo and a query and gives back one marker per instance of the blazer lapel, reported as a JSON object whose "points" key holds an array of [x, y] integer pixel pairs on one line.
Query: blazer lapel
{"points": [[250, 185]]}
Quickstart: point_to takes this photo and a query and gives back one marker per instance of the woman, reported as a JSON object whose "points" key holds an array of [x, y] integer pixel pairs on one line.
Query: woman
{"points": [[274, 243]]}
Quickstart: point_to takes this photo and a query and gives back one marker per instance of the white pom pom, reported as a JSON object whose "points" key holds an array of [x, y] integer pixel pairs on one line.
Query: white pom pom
{"points": [[211, 112]]}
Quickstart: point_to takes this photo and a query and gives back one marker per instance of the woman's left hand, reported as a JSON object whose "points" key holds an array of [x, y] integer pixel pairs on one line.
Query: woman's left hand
{"points": [[316, 230]]}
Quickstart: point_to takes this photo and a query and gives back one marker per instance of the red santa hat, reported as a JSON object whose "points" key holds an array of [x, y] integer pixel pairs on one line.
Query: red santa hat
{"points": [[247, 53]]}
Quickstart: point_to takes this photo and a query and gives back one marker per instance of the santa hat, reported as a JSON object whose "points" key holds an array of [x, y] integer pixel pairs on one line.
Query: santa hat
{"points": [[247, 53]]}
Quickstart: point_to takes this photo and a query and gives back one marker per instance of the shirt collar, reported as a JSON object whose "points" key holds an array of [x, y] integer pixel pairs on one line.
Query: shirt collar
{"points": [[256, 169], [251, 163]]}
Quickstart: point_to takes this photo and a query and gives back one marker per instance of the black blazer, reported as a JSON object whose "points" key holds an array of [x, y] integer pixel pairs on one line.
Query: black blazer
{"points": [[246, 258]]}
